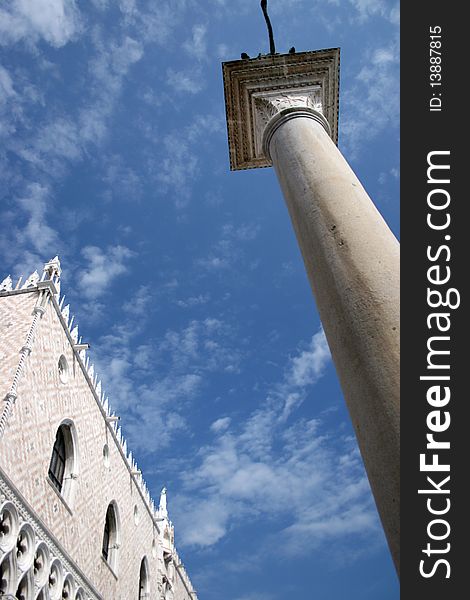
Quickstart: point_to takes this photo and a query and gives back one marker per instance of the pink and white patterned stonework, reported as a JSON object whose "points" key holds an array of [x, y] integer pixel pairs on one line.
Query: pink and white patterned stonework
{"points": [[50, 540]]}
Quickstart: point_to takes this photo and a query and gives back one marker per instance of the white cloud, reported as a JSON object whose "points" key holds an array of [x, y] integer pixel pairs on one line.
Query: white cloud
{"points": [[196, 46], [185, 81], [213, 263], [220, 425], [306, 480], [309, 365], [194, 301], [138, 304], [303, 371], [211, 517], [55, 21], [297, 474], [128, 6], [126, 54], [100, 268], [10, 106]]}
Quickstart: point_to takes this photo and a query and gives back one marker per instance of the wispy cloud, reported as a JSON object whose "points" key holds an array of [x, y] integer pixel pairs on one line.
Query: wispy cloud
{"points": [[121, 180], [193, 301], [55, 146], [228, 248], [315, 487], [367, 9], [108, 67], [187, 81], [28, 238], [178, 165], [304, 370], [37, 231], [152, 381], [371, 104], [139, 302], [6, 85]]}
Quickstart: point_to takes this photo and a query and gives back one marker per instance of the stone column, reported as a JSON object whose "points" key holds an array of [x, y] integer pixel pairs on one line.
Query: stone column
{"points": [[352, 261], [282, 111]]}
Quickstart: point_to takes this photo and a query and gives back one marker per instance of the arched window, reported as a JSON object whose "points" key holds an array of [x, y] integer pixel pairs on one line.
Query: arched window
{"points": [[144, 587], [8, 572], [57, 466], [107, 529], [63, 467], [111, 536]]}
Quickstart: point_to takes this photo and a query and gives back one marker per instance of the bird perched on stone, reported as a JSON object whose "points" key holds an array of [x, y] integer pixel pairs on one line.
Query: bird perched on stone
{"points": [[244, 55], [292, 50]]}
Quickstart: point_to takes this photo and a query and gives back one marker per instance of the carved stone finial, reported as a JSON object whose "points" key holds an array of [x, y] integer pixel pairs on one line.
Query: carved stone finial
{"points": [[52, 269], [6, 285]]}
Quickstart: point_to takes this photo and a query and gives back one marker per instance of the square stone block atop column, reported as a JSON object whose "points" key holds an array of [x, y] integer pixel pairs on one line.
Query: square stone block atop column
{"points": [[307, 78]]}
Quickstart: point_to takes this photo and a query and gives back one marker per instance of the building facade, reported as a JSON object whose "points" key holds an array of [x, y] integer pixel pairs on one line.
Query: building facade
{"points": [[76, 518]]}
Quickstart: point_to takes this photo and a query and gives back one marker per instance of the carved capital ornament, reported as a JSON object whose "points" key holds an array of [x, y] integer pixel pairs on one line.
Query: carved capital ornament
{"points": [[262, 93]]}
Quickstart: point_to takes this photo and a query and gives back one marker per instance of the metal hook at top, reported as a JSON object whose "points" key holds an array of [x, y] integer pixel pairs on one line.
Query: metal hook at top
{"points": [[264, 8]]}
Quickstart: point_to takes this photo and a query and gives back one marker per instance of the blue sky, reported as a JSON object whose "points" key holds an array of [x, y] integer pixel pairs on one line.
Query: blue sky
{"points": [[187, 280]]}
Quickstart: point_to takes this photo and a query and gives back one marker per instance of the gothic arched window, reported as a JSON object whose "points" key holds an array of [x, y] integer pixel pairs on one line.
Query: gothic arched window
{"points": [[144, 588], [110, 544], [63, 467], [57, 465]]}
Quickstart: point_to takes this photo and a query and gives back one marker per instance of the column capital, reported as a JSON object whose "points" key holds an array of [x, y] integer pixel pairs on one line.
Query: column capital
{"points": [[272, 109], [261, 93]]}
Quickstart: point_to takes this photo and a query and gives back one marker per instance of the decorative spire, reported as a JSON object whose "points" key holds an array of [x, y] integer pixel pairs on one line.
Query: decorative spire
{"points": [[52, 272], [74, 334], [66, 314], [31, 281], [162, 507], [52, 268]]}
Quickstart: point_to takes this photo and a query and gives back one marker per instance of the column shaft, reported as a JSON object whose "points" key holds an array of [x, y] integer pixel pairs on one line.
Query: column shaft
{"points": [[352, 261]]}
